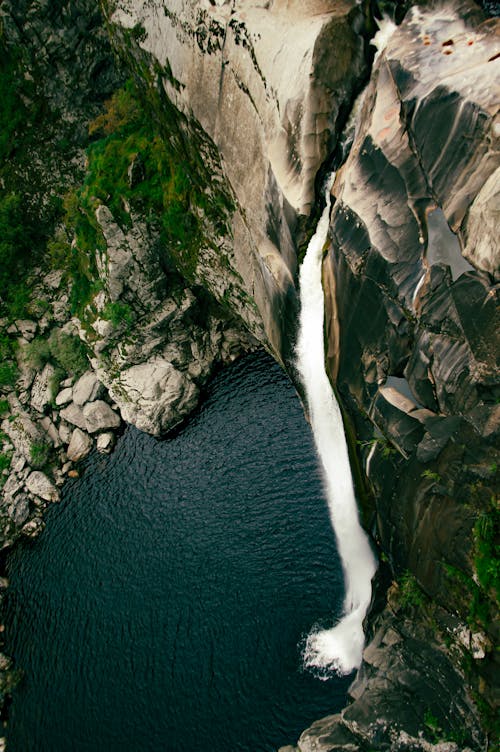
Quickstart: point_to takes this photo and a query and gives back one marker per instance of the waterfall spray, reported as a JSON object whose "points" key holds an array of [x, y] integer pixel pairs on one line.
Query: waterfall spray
{"points": [[338, 649]]}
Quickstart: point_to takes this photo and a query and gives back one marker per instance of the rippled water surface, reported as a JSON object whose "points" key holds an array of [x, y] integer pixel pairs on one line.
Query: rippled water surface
{"points": [[164, 604]]}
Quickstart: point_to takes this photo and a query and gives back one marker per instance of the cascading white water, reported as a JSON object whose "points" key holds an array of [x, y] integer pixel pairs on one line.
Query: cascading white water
{"points": [[338, 649]]}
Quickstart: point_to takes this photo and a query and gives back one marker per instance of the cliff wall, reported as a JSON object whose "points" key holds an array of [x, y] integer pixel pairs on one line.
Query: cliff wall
{"points": [[411, 283], [176, 248]]}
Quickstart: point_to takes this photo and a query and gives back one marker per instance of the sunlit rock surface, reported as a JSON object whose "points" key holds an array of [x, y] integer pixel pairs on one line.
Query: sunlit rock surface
{"points": [[269, 94]]}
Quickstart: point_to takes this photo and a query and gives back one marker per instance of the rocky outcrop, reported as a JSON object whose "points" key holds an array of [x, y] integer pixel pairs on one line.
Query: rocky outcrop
{"points": [[155, 341], [418, 340], [410, 694], [251, 95], [259, 80]]}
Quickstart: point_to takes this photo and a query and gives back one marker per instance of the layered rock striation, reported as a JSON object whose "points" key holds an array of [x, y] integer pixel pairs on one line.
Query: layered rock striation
{"points": [[190, 258], [413, 341], [259, 80]]}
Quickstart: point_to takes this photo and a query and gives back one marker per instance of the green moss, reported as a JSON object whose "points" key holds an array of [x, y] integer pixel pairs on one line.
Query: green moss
{"points": [[486, 536], [64, 351], [39, 454], [5, 460], [411, 594], [430, 475], [8, 374], [118, 313], [134, 163]]}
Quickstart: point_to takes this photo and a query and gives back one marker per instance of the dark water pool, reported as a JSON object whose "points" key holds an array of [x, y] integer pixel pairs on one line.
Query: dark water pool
{"points": [[163, 606]]}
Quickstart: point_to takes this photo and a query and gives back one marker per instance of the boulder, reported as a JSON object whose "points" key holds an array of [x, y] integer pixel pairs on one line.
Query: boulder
{"points": [[74, 415], [105, 442], [79, 446], [33, 528], [87, 389], [42, 388], [23, 433], [19, 509], [26, 328], [38, 484], [154, 396], [65, 432], [100, 417], [12, 485], [64, 397], [51, 431]]}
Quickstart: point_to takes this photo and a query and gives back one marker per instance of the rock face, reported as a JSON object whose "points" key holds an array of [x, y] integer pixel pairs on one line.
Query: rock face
{"points": [[419, 327], [260, 82], [165, 341], [252, 94]]}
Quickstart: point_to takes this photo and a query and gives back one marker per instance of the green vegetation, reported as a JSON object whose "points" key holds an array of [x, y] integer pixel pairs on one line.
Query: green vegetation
{"points": [[118, 313], [8, 374], [23, 231], [8, 367], [411, 594], [132, 163], [434, 731], [430, 475], [4, 461], [64, 351], [486, 537], [39, 454], [387, 450]]}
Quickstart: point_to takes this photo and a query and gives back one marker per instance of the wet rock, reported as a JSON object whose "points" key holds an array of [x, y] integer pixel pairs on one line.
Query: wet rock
{"points": [[33, 528], [403, 675], [100, 417], [38, 484], [79, 446], [19, 509], [87, 389], [74, 415], [105, 442]]}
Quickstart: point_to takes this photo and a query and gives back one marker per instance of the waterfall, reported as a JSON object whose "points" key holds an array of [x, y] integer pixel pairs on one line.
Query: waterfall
{"points": [[340, 648]]}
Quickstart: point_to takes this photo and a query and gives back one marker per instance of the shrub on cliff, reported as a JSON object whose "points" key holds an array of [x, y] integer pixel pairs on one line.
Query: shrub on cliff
{"points": [[65, 351], [133, 164]]}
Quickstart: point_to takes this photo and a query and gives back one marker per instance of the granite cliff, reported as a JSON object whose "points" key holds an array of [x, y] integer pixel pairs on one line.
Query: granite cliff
{"points": [[176, 247]]}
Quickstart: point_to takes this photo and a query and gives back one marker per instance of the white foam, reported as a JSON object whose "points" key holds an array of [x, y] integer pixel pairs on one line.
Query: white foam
{"points": [[386, 29], [340, 648]]}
